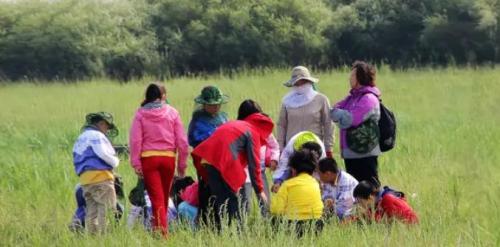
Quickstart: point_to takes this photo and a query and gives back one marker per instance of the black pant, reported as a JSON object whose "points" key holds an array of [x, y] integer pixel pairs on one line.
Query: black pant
{"points": [[203, 197], [300, 226], [223, 201], [363, 168]]}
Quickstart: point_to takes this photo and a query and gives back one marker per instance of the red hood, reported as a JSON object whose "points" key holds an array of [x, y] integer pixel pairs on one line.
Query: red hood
{"points": [[261, 124]]}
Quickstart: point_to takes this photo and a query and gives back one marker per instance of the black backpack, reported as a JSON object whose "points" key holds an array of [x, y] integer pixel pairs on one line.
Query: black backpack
{"points": [[387, 127], [398, 194]]}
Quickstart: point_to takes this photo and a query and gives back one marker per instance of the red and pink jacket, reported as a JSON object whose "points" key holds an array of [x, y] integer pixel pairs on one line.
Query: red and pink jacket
{"points": [[236, 145]]}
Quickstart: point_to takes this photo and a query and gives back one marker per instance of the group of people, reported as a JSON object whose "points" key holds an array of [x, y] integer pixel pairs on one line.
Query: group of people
{"points": [[231, 158]]}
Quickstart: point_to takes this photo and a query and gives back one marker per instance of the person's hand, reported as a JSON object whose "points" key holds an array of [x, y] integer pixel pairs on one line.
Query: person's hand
{"points": [[273, 165], [275, 187], [263, 197], [138, 171], [329, 154], [181, 174], [329, 203]]}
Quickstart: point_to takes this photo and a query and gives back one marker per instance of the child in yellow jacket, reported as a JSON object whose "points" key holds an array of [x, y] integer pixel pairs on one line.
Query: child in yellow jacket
{"points": [[298, 201]]}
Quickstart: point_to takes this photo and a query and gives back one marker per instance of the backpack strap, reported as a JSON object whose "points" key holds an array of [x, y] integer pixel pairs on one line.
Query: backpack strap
{"points": [[379, 99], [395, 193]]}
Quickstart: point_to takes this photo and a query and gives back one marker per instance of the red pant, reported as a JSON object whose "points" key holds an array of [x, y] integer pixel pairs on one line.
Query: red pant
{"points": [[158, 176]]}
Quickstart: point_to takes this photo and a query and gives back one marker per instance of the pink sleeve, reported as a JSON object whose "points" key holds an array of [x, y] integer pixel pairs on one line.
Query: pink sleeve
{"points": [[181, 144], [341, 104], [363, 109], [273, 148], [135, 142]]}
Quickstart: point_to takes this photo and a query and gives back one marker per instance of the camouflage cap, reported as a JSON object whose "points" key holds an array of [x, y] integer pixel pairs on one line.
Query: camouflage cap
{"points": [[211, 95], [93, 118]]}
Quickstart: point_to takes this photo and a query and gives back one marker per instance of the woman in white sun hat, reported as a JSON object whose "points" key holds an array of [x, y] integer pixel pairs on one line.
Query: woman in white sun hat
{"points": [[304, 109]]}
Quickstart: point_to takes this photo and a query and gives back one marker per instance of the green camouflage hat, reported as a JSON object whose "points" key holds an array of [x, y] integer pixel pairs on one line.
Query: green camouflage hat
{"points": [[92, 118], [211, 95]]}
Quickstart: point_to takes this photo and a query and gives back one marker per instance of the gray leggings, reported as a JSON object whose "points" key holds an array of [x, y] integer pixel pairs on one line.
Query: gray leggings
{"points": [[246, 195]]}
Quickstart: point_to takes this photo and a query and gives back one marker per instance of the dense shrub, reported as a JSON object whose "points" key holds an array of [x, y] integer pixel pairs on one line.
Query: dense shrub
{"points": [[126, 39]]}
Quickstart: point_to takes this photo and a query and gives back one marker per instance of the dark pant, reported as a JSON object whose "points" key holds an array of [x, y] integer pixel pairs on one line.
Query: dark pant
{"points": [[264, 207], [203, 198], [300, 226], [203, 191], [223, 201], [363, 168]]}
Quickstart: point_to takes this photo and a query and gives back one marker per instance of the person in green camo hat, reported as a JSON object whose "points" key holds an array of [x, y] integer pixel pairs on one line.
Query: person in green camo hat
{"points": [[205, 119], [94, 160], [99, 120]]}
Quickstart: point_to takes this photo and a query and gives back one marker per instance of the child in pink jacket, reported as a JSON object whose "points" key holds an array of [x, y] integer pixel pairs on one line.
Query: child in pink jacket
{"points": [[157, 137]]}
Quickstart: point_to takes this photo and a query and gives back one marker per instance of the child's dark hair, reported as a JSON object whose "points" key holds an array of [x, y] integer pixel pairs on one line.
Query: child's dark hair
{"points": [[247, 108], [154, 91], [304, 161], [365, 188], [178, 185], [313, 146], [328, 165]]}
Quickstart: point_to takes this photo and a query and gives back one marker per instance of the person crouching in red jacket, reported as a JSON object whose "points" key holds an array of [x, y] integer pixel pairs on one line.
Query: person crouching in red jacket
{"points": [[383, 205], [225, 154]]}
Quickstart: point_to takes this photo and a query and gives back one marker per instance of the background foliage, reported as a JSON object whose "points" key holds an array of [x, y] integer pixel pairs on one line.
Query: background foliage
{"points": [[126, 39]]}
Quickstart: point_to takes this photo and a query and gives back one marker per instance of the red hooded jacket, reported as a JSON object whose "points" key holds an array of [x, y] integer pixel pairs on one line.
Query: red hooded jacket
{"points": [[235, 145]]}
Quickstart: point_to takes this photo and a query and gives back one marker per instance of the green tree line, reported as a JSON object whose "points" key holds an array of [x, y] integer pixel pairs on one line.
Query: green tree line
{"points": [[126, 39]]}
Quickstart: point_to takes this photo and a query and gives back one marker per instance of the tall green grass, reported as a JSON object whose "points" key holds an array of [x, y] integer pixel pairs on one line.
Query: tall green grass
{"points": [[446, 159]]}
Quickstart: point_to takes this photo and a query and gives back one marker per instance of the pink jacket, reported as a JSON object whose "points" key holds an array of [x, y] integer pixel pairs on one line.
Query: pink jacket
{"points": [[270, 152], [158, 129], [190, 195]]}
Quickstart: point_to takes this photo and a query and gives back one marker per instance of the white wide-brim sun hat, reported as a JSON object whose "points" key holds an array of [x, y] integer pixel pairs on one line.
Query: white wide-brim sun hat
{"points": [[300, 73]]}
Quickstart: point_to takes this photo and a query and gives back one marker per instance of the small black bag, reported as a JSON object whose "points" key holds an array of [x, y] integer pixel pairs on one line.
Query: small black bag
{"points": [[387, 127], [136, 196]]}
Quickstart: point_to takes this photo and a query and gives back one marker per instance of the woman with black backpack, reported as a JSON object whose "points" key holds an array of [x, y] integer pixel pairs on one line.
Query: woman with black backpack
{"points": [[357, 117]]}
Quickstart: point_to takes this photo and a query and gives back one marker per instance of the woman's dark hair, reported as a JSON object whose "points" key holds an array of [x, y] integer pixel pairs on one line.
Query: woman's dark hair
{"points": [[247, 108], [154, 91], [365, 73], [313, 146], [178, 185], [304, 161], [328, 165], [364, 189]]}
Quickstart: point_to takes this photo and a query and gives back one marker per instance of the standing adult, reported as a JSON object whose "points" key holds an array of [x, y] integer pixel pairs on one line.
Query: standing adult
{"points": [[156, 137], [357, 116], [303, 108]]}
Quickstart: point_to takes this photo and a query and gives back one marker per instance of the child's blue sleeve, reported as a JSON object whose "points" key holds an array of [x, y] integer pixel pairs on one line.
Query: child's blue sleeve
{"points": [[202, 130], [286, 175]]}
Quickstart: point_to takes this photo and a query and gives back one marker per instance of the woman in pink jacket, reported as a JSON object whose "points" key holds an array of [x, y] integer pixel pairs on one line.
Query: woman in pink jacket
{"points": [[156, 137]]}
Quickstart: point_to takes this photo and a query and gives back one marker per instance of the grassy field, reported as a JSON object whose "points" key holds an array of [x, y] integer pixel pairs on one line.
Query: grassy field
{"points": [[447, 158]]}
